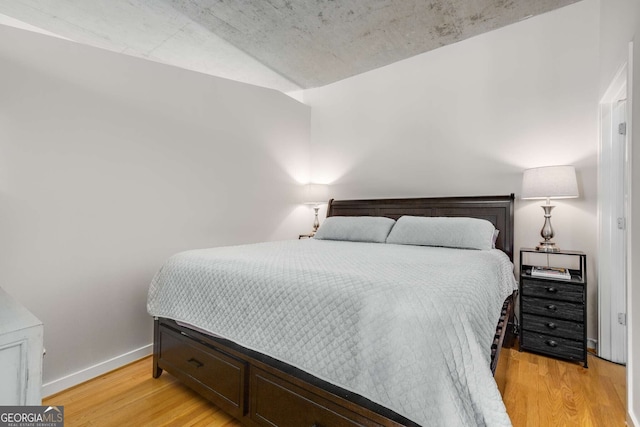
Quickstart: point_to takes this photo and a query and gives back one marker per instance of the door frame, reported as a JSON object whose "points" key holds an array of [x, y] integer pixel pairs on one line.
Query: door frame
{"points": [[613, 342]]}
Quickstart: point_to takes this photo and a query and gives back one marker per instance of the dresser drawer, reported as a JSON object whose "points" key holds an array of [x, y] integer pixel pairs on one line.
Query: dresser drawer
{"points": [[555, 309], [276, 402], [555, 290], [555, 327], [554, 346], [218, 376]]}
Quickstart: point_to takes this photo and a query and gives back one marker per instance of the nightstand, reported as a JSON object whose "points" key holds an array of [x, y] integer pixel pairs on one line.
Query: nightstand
{"points": [[553, 310]]}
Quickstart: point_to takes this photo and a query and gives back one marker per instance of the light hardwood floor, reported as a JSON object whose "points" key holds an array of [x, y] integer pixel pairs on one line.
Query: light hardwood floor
{"points": [[538, 391]]}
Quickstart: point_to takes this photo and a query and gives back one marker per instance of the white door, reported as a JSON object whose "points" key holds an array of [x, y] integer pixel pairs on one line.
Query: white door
{"points": [[613, 206]]}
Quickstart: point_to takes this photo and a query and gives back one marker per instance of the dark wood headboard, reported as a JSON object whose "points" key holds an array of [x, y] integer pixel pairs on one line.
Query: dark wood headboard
{"points": [[496, 209]]}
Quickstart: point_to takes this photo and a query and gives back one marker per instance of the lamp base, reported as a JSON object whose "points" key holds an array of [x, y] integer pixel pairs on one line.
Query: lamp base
{"points": [[547, 232], [547, 247], [316, 223]]}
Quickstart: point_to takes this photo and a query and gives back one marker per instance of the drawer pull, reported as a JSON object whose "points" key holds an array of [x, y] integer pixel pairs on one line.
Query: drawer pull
{"points": [[552, 290], [552, 307], [551, 343], [195, 362], [551, 325]]}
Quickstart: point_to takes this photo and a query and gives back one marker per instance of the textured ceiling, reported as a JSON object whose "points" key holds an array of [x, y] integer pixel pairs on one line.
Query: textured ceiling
{"points": [[284, 44]]}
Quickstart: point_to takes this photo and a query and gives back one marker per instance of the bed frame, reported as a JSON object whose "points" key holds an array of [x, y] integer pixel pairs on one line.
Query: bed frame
{"points": [[261, 391]]}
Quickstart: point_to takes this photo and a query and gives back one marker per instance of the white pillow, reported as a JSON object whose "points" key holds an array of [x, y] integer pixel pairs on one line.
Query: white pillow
{"points": [[355, 228], [451, 232]]}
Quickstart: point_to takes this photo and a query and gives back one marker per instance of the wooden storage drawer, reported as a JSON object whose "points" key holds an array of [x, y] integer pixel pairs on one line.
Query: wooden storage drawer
{"points": [[276, 402], [555, 309], [218, 376], [555, 327], [555, 290], [555, 346]]}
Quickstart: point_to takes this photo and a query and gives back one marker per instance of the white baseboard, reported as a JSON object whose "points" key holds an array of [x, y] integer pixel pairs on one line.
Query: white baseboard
{"points": [[94, 371], [592, 343], [632, 420]]}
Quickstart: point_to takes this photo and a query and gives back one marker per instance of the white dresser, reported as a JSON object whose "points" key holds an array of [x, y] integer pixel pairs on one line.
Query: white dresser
{"points": [[21, 347]]}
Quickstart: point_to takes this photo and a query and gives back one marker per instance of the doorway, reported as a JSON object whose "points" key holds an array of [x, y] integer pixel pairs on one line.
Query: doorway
{"points": [[613, 209]]}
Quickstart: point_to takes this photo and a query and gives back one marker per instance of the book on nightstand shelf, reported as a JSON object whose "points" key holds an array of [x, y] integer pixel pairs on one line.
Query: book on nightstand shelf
{"points": [[551, 272]]}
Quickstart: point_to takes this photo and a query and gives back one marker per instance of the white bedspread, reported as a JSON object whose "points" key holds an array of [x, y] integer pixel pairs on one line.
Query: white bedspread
{"points": [[408, 327]]}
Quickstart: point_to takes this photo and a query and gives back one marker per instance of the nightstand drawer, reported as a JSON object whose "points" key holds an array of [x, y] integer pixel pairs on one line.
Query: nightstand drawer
{"points": [[555, 327], [554, 346], [554, 290], [555, 309]]}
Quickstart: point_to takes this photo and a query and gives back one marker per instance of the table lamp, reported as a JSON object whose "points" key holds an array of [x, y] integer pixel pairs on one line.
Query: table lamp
{"points": [[549, 182], [315, 195]]}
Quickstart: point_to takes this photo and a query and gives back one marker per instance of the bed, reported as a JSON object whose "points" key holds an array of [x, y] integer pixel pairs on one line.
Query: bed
{"points": [[325, 332]]}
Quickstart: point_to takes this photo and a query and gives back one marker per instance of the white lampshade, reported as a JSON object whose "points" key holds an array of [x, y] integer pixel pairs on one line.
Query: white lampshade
{"points": [[550, 182], [316, 194]]}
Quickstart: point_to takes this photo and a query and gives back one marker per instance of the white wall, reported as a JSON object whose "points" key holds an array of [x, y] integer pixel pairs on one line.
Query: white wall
{"points": [[467, 119], [109, 164], [619, 25]]}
